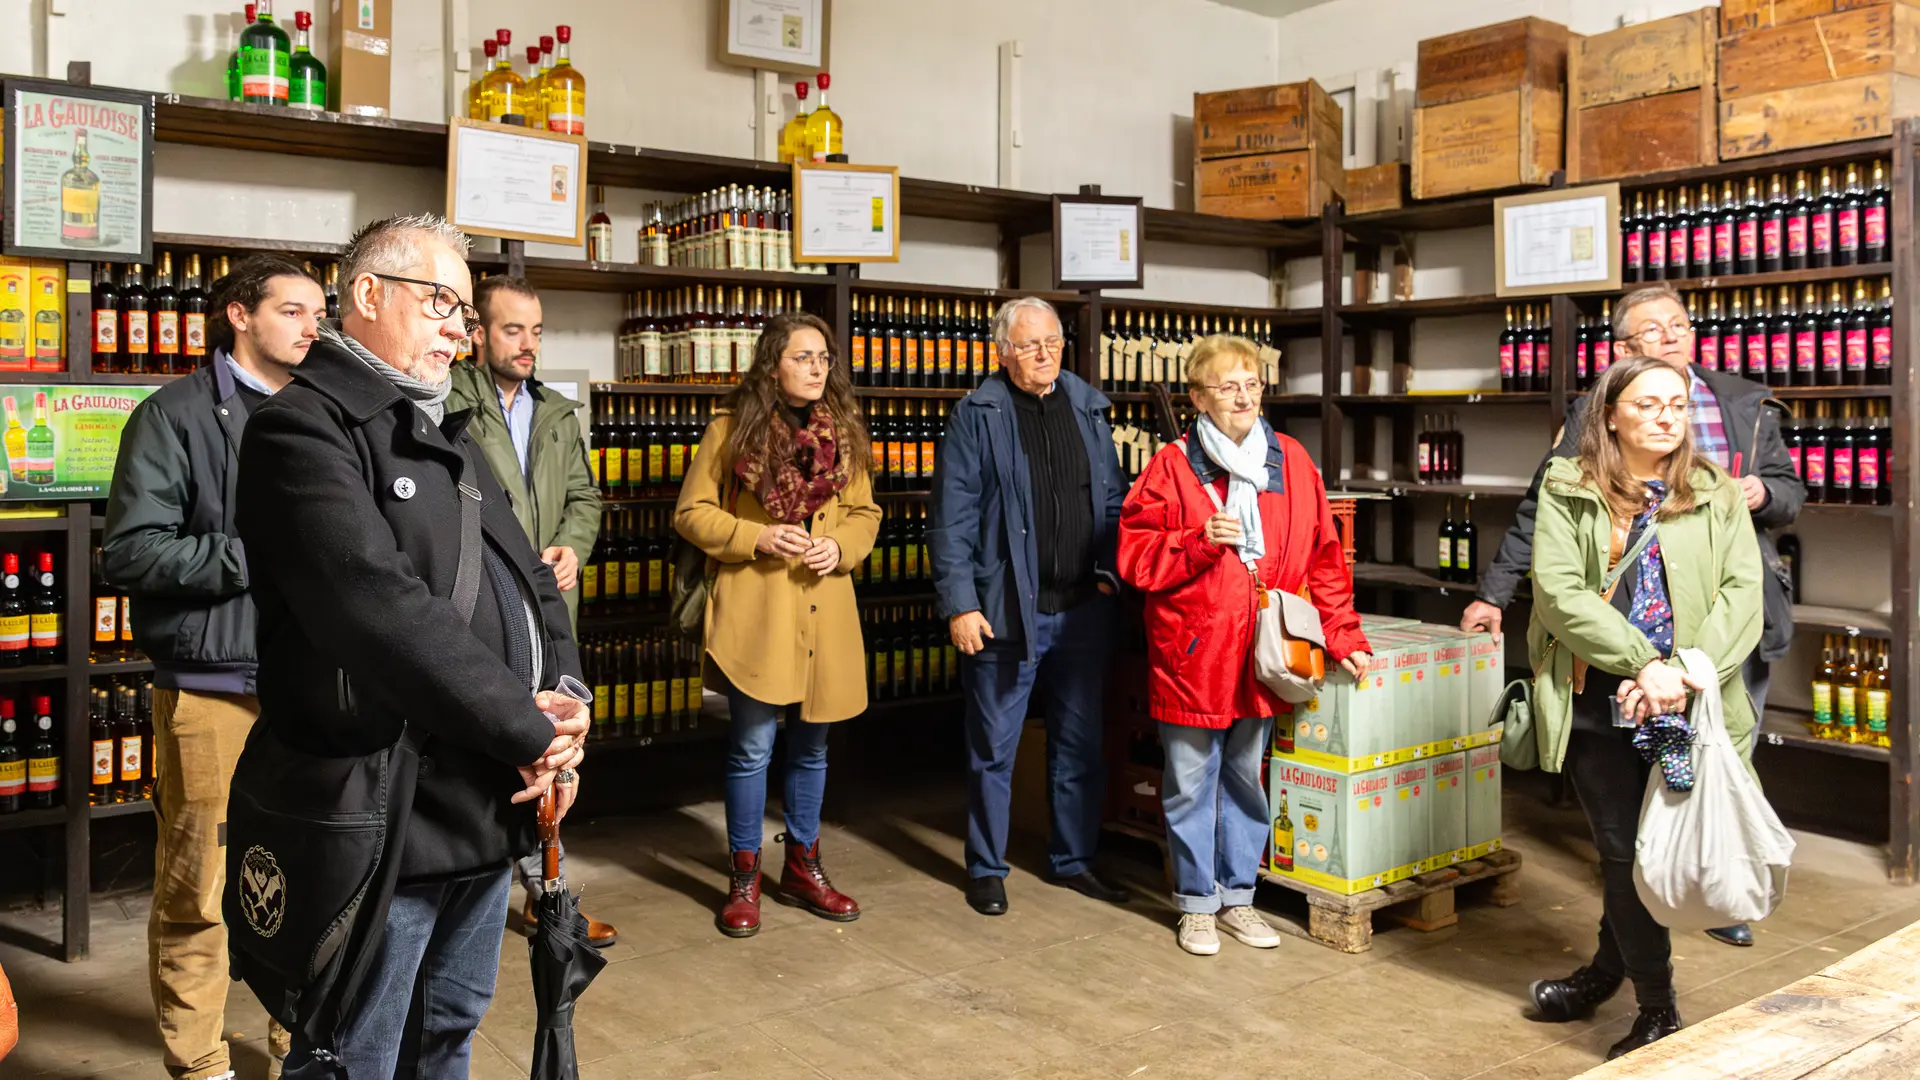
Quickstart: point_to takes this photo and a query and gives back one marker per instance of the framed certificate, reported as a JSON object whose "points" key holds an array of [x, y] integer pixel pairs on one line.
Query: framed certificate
{"points": [[79, 172], [1562, 241], [1096, 242], [773, 35], [516, 183], [845, 213]]}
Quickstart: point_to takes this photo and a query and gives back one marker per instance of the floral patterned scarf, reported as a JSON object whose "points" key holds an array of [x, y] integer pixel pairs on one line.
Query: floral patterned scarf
{"points": [[808, 468]]}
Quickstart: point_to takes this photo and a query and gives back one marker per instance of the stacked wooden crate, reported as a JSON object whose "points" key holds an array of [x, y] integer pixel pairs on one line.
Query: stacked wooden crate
{"points": [[1268, 152], [1641, 99], [1798, 73], [1490, 109]]}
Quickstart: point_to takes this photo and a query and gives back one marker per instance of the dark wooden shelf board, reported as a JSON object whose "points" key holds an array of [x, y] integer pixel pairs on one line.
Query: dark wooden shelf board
{"points": [[655, 389], [233, 126], [35, 378], [1437, 308], [1024, 212], [1211, 230], [121, 809], [1464, 397], [1830, 393], [1416, 489], [104, 379], [871, 288], [1786, 727], [1279, 317], [1847, 510], [119, 667], [1840, 620], [33, 524], [33, 819], [579, 275], [234, 245], [1386, 575], [1769, 280], [33, 673], [910, 393]]}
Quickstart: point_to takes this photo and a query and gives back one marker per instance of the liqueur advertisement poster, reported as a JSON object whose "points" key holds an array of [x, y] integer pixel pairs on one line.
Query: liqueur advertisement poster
{"points": [[78, 173], [60, 442]]}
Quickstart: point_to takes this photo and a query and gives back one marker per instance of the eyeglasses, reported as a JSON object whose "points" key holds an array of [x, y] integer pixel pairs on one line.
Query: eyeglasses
{"points": [[1052, 345], [809, 360], [1653, 334], [444, 303], [1649, 409], [1251, 388]]}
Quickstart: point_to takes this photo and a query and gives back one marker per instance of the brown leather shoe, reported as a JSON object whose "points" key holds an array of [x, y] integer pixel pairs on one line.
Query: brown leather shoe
{"points": [[741, 915], [599, 934], [804, 884]]}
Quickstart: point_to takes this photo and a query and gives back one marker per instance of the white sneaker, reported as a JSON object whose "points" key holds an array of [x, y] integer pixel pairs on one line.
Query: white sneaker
{"points": [[1248, 927], [1196, 934]]}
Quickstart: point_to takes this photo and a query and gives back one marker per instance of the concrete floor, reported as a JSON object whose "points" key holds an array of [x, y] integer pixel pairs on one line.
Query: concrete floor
{"points": [[1061, 987]]}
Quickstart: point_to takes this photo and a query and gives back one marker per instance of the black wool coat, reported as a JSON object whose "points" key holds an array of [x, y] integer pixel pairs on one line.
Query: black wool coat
{"points": [[349, 507]]}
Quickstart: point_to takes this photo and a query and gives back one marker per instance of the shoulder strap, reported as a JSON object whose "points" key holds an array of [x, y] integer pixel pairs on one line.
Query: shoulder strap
{"points": [[466, 575], [1632, 555]]}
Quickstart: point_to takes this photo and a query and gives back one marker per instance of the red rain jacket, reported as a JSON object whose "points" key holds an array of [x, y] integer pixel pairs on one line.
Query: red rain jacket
{"points": [[1200, 599]]}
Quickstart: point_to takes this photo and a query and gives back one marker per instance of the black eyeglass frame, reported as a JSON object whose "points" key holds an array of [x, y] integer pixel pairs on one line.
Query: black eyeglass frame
{"points": [[468, 313]]}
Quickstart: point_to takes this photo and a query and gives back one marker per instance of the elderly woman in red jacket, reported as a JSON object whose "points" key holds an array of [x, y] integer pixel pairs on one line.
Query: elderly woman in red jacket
{"points": [[1232, 508]]}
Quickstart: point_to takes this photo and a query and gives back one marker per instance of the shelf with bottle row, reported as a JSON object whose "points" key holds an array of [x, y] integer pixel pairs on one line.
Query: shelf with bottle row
{"points": [[1442, 307], [122, 809], [1282, 321], [1841, 620], [1790, 727], [871, 287], [1416, 488], [1767, 280], [39, 817], [582, 276], [1493, 396], [1396, 576]]}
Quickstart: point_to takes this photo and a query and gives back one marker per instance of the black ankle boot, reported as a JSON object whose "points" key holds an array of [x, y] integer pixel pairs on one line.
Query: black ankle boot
{"points": [[1649, 1027], [1574, 997]]}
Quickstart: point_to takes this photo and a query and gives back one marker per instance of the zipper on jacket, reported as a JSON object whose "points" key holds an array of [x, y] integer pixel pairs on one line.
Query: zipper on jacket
{"points": [[345, 689]]}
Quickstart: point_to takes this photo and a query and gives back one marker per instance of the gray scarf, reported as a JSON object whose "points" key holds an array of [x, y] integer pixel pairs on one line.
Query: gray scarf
{"points": [[430, 398]]}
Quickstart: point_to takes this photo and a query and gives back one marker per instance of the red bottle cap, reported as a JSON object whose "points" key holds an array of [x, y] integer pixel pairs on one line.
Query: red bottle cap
{"points": [[42, 705], [800, 89], [303, 20], [6, 708], [825, 80], [533, 54], [546, 43], [503, 35], [46, 562], [252, 12], [491, 47], [11, 564], [565, 33]]}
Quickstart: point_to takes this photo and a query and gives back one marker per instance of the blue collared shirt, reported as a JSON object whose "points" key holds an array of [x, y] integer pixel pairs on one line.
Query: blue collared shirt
{"points": [[519, 417], [242, 375]]}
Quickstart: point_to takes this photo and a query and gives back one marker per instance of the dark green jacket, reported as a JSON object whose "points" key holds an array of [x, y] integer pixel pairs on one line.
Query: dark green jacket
{"points": [[556, 501]]}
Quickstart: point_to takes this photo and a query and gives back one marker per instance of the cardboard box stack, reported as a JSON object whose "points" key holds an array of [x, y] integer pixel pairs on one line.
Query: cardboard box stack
{"points": [[33, 315], [1641, 99], [1267, 152], [1378, 781], [1798, 73], [1490, 109]]}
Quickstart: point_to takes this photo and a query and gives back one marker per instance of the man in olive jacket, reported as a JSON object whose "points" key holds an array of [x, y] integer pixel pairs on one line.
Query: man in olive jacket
{"points": [[531, 440]]}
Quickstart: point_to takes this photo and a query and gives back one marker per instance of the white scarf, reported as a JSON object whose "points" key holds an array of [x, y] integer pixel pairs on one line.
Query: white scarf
{"points": [[1246, 465]]}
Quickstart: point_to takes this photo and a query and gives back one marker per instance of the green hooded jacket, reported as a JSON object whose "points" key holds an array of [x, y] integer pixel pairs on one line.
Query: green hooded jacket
{"points": [[557, 502], [1713, 579]]}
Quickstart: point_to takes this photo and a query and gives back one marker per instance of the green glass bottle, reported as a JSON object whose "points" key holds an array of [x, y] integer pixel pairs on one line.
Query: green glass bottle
{"points": [[266, 59], [233, 64], [40, 444], [309, 89]]}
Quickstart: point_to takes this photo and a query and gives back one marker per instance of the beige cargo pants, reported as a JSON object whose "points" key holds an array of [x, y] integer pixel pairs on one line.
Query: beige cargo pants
{"points": [[197, 738]]}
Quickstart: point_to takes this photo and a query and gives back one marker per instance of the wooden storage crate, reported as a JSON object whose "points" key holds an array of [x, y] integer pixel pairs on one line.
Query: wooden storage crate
{"points": [[1521, 54], [1740, 16], [1376, 188], [1268, 187], [1265, 120], [1879, 40], [1830, 112], [1488, 144], [1642, 99]]}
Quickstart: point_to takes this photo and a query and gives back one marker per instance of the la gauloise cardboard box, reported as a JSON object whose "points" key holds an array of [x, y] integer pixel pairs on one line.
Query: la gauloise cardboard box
{"points": [[1411, 806], [1643, 98], [1447, 811], [16, 307], [1483, 800], [1825, 78], [360, 51], [1334, 830], [49, 283]]}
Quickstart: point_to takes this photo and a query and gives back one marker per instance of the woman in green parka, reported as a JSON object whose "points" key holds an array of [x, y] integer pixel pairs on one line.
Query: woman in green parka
{"points": [[1603, 661]]}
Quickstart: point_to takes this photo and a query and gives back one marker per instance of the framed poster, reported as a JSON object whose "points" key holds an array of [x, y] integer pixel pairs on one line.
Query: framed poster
{"points": [[516, 183], [69, 441], [773, 35], [845, 213], [1563, 241], [1096, 242], [79, 172]]}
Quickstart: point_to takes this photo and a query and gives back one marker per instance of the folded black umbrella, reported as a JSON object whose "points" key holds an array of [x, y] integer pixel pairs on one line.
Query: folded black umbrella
{"points": [[562, 960]]}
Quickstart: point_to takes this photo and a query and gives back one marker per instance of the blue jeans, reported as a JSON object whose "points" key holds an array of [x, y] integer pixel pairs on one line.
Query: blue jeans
{"points": [[1216, 812], [1070, 675], [428, 988], [753, 726]]}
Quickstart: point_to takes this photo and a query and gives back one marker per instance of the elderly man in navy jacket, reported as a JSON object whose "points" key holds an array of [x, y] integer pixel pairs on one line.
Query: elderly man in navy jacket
{"points": [[1026, 507]]}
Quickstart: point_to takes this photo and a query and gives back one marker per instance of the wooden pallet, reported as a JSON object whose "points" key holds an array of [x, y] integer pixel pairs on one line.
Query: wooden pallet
{"points": [[1424, 902]]}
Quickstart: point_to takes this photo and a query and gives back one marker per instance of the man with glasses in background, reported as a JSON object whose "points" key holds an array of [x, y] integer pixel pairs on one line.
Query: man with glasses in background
{"points": [[1026, 511], [1734, 427]]}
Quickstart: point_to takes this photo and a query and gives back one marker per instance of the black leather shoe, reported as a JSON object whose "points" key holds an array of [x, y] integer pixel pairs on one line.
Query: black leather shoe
{"points": [[987, 895], [1741, 935], [1649, 1027], [1575, 997], [1086, 884]]}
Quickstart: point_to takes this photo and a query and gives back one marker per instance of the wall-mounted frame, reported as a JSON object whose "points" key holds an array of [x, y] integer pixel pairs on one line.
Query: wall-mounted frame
{"points": [[1096, 242], [79, 172], [773, 35], [516, 183], [1561, 241], [845, 213]]}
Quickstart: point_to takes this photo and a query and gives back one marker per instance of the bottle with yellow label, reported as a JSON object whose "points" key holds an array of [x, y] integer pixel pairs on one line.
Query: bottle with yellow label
{"points": [[14, 621], [564, 89], [823, 126], [1283, 839], [1822, 723], [1879, 688], [1846, 693]]}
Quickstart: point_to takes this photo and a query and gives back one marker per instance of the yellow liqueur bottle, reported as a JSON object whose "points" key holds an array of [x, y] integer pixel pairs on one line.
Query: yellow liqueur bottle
{"points": [[793, 137], [16, 441], [505, 91], [1283, 839], [565, 91], [80, 196], [823, 126]]}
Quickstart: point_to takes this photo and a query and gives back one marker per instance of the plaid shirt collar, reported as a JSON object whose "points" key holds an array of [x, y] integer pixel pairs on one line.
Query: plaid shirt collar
{"points": [[1709, 429]]}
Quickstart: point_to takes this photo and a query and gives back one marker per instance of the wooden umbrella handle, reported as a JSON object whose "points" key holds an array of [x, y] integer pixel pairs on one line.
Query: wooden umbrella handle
{"points": [[549, 820]]}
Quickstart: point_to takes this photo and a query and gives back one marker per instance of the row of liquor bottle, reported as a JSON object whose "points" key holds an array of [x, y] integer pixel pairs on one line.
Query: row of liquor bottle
{"points": [[1526, 347], [909, 653], [640, 446], [32, 629], [920, 344], [1687, 237], [899, 562], [729, 228], [1459, 546], [1152, 349], [1439, 450], [156, 323], [29, 757], [1852, 687], [1808, 343], [33, 315], [112, 639], [643, 684], [695, 335], [120, 737], [268, 69], [814, 133], [551, 95], [1844, 459], [1136, 435]]}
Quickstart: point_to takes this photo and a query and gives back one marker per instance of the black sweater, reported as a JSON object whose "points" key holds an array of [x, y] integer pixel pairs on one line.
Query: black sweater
{"points": [[1062, 482]]}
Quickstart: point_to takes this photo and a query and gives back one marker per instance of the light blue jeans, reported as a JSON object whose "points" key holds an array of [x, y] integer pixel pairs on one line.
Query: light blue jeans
{"points": [[1216, 812], [752, 726]]}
